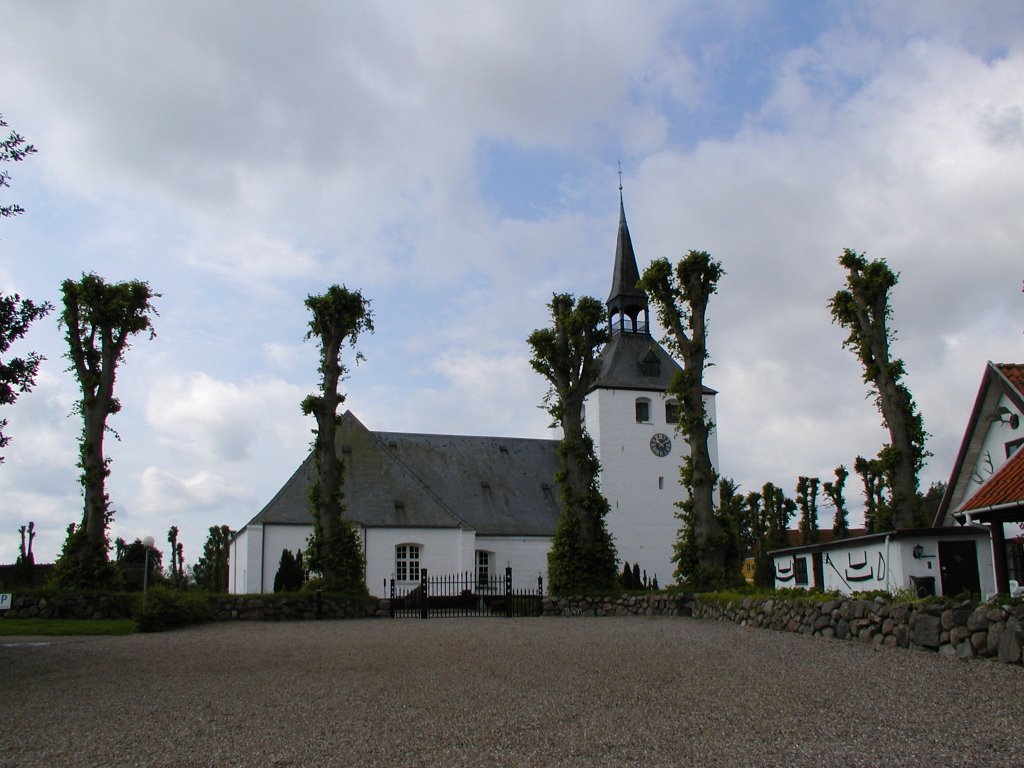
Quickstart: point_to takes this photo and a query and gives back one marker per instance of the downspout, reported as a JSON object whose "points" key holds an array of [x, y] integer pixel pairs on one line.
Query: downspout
{"points": [[263, 555], [888, 565]]}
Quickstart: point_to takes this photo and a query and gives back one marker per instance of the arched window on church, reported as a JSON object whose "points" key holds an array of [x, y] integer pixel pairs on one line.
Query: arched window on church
{"points": [[643, 410], [484, 567], [407, 562]]}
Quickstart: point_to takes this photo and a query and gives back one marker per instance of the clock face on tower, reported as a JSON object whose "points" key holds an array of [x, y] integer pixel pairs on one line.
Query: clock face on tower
{"points": [[661, 445]]}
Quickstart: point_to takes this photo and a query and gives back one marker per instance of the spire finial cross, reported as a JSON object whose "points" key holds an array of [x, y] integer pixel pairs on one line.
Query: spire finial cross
{"points": [[620, 176]]}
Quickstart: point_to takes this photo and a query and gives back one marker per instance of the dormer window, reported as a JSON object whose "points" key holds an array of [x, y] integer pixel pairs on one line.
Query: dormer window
{"points": [[650, 365]]}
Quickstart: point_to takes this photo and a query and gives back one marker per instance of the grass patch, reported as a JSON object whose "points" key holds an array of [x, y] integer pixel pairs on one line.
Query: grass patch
{"points": [[15, 627]]}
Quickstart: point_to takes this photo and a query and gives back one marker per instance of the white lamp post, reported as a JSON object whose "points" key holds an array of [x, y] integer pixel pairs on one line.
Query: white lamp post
{"points": [[147, 542]]}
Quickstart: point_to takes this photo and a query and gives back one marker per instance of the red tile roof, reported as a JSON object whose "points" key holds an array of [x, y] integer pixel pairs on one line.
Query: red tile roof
{"points": [[1014, 373], [1006, 486]]}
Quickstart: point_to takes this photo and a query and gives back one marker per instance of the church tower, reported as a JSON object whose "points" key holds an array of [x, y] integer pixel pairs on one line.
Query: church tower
{"points": [[633, 424]]}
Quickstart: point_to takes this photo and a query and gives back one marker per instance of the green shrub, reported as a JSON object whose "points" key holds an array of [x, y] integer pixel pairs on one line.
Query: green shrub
{"points": [[167, 608]]}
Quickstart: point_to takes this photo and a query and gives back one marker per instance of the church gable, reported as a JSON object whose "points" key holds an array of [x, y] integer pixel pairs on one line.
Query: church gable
{"points": [[993, 435]]}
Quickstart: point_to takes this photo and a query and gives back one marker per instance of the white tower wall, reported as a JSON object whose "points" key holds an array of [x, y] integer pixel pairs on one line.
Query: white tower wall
{"points": [[642, 488]]}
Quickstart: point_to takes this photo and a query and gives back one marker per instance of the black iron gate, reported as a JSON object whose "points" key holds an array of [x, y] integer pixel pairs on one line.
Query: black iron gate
{"points": [[465, 594]]}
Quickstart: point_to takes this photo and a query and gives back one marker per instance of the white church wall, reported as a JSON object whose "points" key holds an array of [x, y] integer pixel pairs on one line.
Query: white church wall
{"points": [[240, 559], [528, 556], [278, 538], [442, 552]]}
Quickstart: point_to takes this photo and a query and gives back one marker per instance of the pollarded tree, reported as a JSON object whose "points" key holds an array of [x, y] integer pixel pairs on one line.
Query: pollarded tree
{"points": [[778, 511], [681, 295], [835, 493], [862, 308], [335, 552], [735, 524], [757, 540], [177, 560], [211, 571], [99, 319], [25, 563], [807, 502], [878, 514], [582, 556]]}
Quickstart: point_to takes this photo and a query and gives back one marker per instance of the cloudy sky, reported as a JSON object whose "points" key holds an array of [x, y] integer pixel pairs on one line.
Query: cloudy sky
{"points": [[457, 162]]}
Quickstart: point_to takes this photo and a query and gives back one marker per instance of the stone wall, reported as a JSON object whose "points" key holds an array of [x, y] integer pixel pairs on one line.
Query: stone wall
{"points": [[296, 607], [225, 607], [69, 606], [965, 629], [654, 604]]}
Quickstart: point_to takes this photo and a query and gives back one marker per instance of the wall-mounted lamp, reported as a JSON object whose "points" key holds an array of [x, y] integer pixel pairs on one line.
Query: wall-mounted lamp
{"points": [[918, 551]]}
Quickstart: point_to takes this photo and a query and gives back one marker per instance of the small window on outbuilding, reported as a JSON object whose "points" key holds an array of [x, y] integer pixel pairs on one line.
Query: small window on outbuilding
{"points": [[643, 410]]}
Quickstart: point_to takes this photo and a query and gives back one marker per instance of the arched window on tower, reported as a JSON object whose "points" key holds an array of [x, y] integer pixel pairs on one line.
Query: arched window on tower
{"points": [[671, 412], [643, 410]]}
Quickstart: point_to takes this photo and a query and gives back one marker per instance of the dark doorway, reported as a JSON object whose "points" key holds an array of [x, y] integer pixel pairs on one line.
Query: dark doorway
{"points": [[958, 566], [819, 571]]}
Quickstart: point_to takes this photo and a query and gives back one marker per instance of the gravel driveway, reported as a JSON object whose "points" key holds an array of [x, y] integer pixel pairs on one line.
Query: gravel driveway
{"points": [[499, 692]]}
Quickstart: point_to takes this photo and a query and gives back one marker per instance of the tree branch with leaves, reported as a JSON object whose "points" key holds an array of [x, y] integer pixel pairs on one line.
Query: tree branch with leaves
{"points": [[582, 556], [17, 374]]}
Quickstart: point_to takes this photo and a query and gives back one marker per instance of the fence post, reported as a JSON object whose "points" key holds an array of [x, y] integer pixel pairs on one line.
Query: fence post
{"points": [[508, 591], [423, 593], [391, 602]]}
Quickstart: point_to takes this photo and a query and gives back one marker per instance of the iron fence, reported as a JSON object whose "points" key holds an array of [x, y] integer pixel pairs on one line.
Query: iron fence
{"points": [[464, 594]]}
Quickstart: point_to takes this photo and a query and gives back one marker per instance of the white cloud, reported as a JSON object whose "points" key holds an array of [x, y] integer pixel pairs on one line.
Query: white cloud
{"points": [[164, 494], [221, 420]]}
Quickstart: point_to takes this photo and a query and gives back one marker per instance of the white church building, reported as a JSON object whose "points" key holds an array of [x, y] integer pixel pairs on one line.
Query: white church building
{"points": [[454, 504]]}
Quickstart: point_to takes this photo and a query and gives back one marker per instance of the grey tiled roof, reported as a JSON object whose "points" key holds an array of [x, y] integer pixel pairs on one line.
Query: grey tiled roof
{"points": [[493, 485], [620, 363]]}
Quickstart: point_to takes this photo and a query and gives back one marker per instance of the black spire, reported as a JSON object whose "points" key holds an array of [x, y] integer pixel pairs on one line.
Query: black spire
{"points": [[626, 302]]}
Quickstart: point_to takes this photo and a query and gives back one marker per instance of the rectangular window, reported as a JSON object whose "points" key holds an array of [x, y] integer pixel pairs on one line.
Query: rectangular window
{"points": [[483, 567], [800, 569], [407, 562]]}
